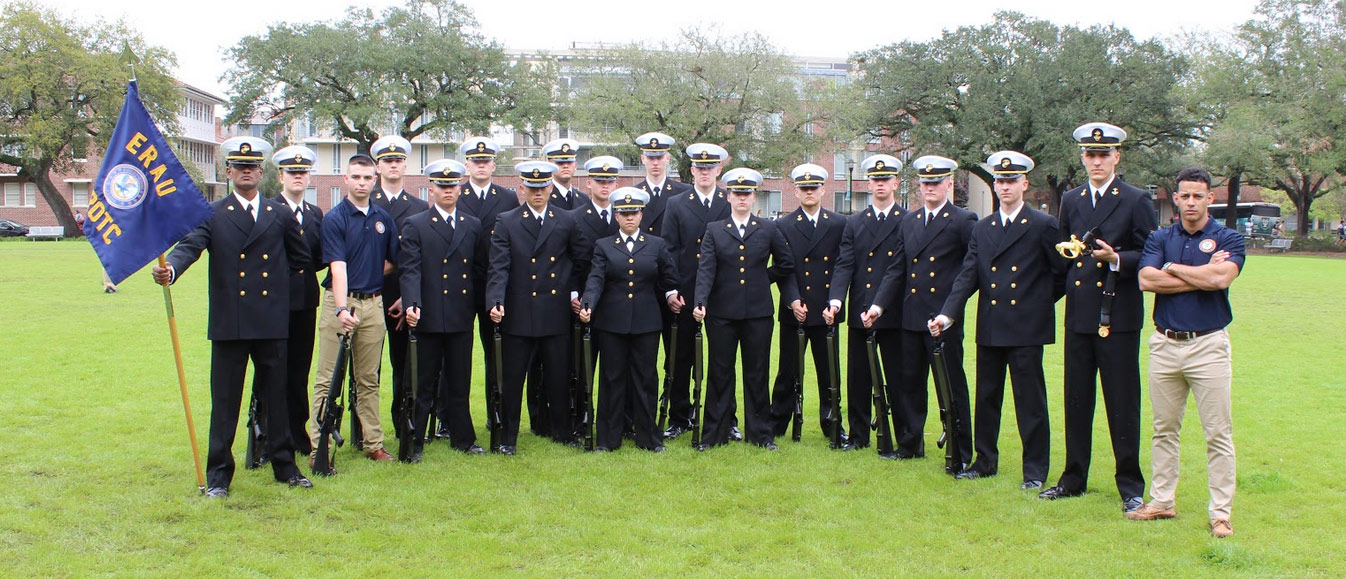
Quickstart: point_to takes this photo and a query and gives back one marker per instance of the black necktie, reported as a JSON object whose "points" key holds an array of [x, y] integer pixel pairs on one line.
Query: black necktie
{"points": [[706, 202], [449, 220], [1096, 196], [656, 190], [882, 216], [604, 215], [742, 230], [248, 207], [630, 244], [299, 214]]}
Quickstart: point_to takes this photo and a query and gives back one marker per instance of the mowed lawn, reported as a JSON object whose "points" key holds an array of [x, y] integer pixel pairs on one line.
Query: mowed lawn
{"points": [[96, 473]]}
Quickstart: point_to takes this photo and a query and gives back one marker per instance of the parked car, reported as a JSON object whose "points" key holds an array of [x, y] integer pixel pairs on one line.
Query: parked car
{"points": [[10, 228]]}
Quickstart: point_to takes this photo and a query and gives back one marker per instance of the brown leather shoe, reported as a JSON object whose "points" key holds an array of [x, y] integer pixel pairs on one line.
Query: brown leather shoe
{"points": [[1220, 528], [379, 455], [1149, 512]]}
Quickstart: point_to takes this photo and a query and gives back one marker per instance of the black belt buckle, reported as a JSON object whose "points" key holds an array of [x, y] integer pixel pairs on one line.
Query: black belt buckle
{"points": [[1179, 336], [362, 296]]}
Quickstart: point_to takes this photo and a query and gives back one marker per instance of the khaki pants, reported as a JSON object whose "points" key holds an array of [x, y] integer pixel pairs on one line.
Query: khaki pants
{"points": [[367, 351], [1202, 366]]}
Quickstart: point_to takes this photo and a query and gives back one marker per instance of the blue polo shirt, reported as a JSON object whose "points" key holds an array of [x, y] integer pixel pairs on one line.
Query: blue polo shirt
{"points": [[1194, 311], [363, 241]]}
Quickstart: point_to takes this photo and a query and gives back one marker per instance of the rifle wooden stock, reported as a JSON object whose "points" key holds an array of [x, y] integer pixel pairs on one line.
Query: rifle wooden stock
{"points": [[834, 387], [797, 422], [494, 415], [669, 362], [255, 455], [698, 374], [329, 413], [406, 446], [587, 418], [883, 435], [944, 394]]}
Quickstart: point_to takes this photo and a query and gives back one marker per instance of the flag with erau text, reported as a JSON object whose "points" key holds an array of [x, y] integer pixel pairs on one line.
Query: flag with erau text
{"points": [[143, 201]]}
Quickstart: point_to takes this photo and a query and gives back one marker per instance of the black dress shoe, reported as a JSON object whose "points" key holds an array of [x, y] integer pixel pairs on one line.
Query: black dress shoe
{"points": [[218, 492], [735, 435], [905, 454], [299, 481], [1058, 492], [770, 446], [505, 449], [1131, 504], [855, 446], [674, 432], [972, 474], [1031, 485], [657, 449], [703, 447], [474, 449], [888, 455], [602, 449], [572, 443], [442, 432], [414, 457]]}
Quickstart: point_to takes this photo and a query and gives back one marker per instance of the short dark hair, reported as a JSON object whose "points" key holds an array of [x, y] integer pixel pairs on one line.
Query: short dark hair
{"points": [[1195, 175], [360, 160]]}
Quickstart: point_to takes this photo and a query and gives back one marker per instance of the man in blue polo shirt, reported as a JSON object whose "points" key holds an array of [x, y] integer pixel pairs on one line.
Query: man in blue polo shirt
{"points": [[359, 242], [1189, 266]]}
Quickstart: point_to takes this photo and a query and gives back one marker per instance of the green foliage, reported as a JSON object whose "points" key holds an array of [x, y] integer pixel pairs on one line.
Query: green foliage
{"points": [[62, 85], [97, 475], [1275, 91], [738, 91], [419, 69], [1025, 84]]}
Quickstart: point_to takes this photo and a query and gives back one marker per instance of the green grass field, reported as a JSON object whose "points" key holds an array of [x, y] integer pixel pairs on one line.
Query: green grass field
{"points": [[96, 474]]}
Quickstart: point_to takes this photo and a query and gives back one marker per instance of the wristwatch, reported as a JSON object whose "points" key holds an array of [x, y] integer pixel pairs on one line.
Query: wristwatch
{"points": [[347, 309], [1167, 265]]}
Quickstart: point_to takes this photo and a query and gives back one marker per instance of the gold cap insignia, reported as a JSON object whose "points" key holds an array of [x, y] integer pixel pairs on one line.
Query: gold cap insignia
{"points": [[299, 158], [535, 172], [929, 168], [481, 146], [878, 164], [245, 148], [1098, 134], [654, 142], [565, 147], [808, 176], [607, 166], [1005, 162], [740, 178]]}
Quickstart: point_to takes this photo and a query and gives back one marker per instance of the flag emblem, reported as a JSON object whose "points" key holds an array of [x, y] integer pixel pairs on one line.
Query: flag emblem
{"points": [[125, 187]]}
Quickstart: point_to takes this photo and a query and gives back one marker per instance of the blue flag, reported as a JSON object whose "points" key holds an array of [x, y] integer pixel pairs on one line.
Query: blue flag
{"points": [[143, 201]]}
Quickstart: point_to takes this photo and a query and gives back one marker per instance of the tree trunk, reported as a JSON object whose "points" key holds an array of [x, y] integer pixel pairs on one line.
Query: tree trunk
{"points": [[60, 207], [1231, 214], [1302, 215]]}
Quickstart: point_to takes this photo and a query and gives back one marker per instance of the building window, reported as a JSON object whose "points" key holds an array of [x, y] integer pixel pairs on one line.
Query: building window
{"points": [[839, 166], [79, 194], [311, 195], [30, 194], [336, 196], [425, 193], [425, 156], [336, 159], [11, 195]]}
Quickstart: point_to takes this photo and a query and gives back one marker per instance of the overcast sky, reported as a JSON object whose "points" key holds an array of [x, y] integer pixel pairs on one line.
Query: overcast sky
{"points": [[199, 33]]}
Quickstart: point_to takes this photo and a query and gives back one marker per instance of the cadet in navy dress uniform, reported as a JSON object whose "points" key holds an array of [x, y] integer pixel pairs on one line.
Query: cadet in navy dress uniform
{"points": [[533, 278], [654, 155], [814, 235], [685, 219], [1012, 263], [1094, 347], [870, 243], [935, 238], [563, 153], [595, 216], [439, 265], [733, 296], [295, 162], [254, 247], [632, 274], [390, 155], [484, 200]]}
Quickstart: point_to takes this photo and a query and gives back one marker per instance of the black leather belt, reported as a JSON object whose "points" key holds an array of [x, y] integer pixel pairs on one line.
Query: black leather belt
{"points": [[360, 296], [1184, 336]]}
